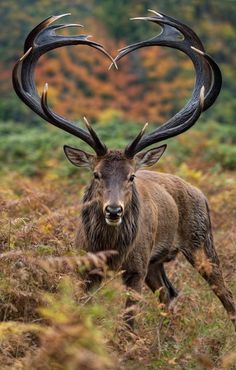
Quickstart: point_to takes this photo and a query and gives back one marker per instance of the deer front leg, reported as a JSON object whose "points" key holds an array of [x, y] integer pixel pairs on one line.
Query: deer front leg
{"points": [[93, 280], [157, 279], [134, 281]]}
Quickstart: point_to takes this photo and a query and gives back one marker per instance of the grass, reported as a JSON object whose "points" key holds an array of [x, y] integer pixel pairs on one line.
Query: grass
{"points": [[48, 322]]}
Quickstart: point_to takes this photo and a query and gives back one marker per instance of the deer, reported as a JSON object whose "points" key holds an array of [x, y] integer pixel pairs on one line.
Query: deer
{"points": [[147, 217]]}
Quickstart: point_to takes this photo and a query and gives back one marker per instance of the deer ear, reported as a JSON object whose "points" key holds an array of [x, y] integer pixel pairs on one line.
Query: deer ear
{"points": [[149, 158], [78, 157]]}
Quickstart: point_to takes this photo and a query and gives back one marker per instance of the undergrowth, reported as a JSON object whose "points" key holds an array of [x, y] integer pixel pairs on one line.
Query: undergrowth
{"points": [[49, 322]]}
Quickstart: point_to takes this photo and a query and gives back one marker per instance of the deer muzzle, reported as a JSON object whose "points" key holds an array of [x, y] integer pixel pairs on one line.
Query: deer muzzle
{"points": [[113, 214]]}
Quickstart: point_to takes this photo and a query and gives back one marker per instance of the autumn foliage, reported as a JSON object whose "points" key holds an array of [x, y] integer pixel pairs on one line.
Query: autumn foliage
{"points": [[150, 84]]}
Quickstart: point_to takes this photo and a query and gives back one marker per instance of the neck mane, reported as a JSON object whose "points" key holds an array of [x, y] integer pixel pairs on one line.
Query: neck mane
{"points": [[100, 236]]}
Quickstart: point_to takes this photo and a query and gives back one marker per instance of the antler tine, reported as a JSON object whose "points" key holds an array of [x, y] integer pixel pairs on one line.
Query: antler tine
{"points": [[68, 126], [36, 30], [94, 136], [133, 149], [217, 79], [179, 36], [40, 40], [208, 101]]}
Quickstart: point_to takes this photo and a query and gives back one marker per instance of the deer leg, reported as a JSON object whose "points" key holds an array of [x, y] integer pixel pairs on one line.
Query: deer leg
{"points": [[157, 279], [134, 281], [92, 280], [173, 293], [205, 260]]}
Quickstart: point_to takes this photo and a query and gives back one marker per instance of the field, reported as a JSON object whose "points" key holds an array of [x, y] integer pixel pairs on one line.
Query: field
{"points": [[48, 322]]}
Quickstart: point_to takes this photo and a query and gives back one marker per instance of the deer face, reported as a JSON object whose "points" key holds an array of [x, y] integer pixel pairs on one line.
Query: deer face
{"points": [[114, 177]]}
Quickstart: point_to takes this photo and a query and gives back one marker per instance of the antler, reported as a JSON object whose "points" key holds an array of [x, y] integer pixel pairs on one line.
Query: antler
{"points": [[40, 40], [208, 79]]}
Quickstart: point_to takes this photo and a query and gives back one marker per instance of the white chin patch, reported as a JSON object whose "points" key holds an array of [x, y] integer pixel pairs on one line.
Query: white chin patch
{"points": [[113, 222]]}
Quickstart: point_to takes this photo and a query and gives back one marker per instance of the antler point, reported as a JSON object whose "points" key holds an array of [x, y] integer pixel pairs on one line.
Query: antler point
{"points": [[62, 15], [44, 94], [69, 25], [113, 64], [87, 124], [54, 18], [138, 18], [197, 50], [26, 54], [202, 96], [156, 13], [144, 128]]}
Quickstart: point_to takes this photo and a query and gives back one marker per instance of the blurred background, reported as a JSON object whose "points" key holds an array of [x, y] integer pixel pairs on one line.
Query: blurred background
{"points": [[151, 84]]}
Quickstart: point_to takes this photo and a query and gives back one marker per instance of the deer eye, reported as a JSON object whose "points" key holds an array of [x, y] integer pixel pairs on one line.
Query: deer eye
{"points": [[97, 175], [131, 178]]}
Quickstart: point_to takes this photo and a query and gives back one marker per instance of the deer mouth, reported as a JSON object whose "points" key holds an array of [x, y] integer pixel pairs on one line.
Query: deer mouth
{"points": [[113, 221]]}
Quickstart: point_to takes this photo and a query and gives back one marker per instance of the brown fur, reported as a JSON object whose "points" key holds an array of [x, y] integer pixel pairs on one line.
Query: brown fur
{"points": [[163, 216]]}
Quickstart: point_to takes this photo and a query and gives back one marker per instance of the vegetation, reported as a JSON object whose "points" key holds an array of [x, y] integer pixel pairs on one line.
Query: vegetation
{"points": [[47, 320], [37, 150]]}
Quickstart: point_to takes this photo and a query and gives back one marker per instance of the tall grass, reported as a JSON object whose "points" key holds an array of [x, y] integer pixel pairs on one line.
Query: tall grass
{"points": [[49, 322]]}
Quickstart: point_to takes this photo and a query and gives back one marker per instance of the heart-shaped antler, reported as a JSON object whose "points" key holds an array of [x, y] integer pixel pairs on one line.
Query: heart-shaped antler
{"points": [[207, 86], [40, 40], [44, 38]]}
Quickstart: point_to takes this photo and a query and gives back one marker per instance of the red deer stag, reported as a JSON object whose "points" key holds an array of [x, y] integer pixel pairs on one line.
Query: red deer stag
{"points": [[147, 217]]}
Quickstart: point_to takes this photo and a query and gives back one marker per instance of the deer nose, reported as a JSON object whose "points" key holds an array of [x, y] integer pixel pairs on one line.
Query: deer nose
{"points": [[114, 212]]}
